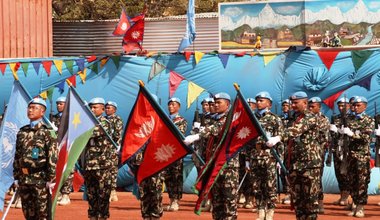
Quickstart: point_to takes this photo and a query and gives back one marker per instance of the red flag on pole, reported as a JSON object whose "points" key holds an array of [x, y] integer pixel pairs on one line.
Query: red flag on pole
{"points": [[148, 126], [134, 36], [123, 25], [241, 126]]}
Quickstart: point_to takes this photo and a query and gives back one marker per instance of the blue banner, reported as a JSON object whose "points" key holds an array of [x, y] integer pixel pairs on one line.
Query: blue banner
{"points": [[189, 37]]}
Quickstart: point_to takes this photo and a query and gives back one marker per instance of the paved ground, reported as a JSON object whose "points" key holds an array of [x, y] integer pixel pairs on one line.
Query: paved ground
{"points": [[129, 208]]}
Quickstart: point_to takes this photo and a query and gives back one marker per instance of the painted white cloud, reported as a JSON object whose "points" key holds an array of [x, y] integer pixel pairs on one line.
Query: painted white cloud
{"points": [[287, 10], [233, 12]]}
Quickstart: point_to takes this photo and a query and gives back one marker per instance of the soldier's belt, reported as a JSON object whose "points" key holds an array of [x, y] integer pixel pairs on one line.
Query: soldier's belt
{"points": [[29, 171]]}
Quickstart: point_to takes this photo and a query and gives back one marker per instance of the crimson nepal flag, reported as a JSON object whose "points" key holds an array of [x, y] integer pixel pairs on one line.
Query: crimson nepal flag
{"points": [[148, 126], [240, 127], [134, 36], [123, 25]]}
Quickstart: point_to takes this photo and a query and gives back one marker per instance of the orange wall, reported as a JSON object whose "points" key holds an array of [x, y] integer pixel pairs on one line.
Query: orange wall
{"points": [[25, 28]]}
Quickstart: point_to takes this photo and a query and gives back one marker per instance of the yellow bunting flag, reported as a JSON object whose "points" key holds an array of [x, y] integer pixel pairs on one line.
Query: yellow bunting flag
{"points": [[268, 57], [198, 56], [82, 75], [103, 61], [44, 95], [193, 91], [14, 68], [150, 54], [58, 65]]}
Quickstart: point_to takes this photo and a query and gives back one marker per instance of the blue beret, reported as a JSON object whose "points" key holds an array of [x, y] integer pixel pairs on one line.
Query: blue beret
{"points": [[360, 99], [251, 100], [285, 101], [343, 100], [38, 101], [111, 103], [61, 99], [298, 95], [97, 100], [208, 99], [211, 100], [315, 100], [264, 95], [222, 95], [175, 99]]}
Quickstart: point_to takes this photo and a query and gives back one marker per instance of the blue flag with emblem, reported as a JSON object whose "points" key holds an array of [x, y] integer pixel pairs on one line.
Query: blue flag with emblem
{"points": [[189, 37], [15, 117]]}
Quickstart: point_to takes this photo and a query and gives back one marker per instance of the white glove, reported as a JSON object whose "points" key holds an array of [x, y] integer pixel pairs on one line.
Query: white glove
{"points": [[197, 125], [15, 183], [348, 132], [118, 148], [54, 127], [278, 167], [247, 165], [50, 186], [333, 128], [341, 130], [377, 132], [273, 141], [191, 139]]}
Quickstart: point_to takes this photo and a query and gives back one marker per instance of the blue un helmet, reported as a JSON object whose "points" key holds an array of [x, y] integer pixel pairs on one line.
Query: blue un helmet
{"points": [[298, 95], [251, 100], [222, 95], [175, 99], [360, 99], [111, 103], [343, 100], [97, 100], [61, 99], [263, 95], [315, 100], [37, 101]]}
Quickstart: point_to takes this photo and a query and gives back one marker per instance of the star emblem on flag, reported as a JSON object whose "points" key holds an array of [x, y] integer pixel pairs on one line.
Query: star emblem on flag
{"points": [[135, 34], [164, 153], [244, 133]]}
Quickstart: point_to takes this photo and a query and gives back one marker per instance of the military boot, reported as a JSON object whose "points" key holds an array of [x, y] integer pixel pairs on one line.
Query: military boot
{"points": [[65, 200], [17, 203], [353, 210], [248, 203], [207, 206], [269, 214], [321, 209], [359, 211], [174, 206], [343, 200], [113, 197], [286, 200], [261, 214]]}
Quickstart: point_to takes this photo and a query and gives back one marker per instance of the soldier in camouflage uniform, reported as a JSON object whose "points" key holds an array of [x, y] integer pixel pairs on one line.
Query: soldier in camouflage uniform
{"points": [[359, 130], [35, 162], [337, 139], [224, 191], [324, 138], [304, 158], [286, 120], [245, 193], [262, 162], [174, 174], [117, 129], [98, 165]]}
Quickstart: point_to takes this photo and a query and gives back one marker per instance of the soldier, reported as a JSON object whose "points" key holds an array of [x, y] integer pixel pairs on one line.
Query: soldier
{"points": [[324, 127], [35, 162], [117, 129], [304, 158], [56, 119], [343, 183], [359, 130], [224, 191], [261, 161], [173, 175], [252, 103], [98, 165], [286, 118]]}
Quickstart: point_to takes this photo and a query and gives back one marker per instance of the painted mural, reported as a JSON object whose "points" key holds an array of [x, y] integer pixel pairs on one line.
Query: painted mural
{"points": [[315, 23]]}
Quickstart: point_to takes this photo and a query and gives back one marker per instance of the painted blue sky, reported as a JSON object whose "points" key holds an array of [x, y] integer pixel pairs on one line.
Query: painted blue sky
{"points": [[236, 11]]}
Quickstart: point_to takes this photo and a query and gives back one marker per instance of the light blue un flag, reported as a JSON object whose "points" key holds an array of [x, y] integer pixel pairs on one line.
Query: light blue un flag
{"points": [[15, 117], [189, 37]]}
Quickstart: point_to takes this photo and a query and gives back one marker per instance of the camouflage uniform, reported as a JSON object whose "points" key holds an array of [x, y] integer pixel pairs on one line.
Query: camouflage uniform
{"points": [[324, 129], [97, 175], [304, 163], [173, 175], [117, 129], [200, 146], [359, 157], [337, 140], [263, 163], [34, 165], [224, 192]]}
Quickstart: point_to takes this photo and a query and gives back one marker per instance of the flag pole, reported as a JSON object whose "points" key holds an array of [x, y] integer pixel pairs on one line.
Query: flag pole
{"points": [[10, 204], [261, 130], [172, 127], [96, 119]]}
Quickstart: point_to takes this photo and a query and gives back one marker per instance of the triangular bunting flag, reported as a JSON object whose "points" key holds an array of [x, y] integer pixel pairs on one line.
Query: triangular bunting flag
{"points": [[328, 57], [50, 92], [331, 100], [36, 66], [224, 59], [43, 95], [365, 83], [268, 58], [359, 57], [103, 61], [94, 68], [198, 56], [58, 64], [47, 65], [155, 69], [72, 81], [174, 80], [69, 65], [240, 54], [187, 55], [25, 67], [3, 66], [116, 61], [14, 67], [91, 58], [151, 53], [61, 87], [82, 75], [80, 64], [193, 91]]}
